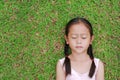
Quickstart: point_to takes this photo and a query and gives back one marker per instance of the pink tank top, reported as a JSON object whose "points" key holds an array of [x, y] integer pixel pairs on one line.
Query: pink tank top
{"points": [[77, 76]]}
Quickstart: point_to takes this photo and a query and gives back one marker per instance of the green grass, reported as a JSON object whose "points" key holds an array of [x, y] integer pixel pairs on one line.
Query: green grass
{"points": [[32, 35]]}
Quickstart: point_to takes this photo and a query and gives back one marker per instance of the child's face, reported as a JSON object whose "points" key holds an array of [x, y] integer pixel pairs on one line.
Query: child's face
{"points": [[79, 38]]}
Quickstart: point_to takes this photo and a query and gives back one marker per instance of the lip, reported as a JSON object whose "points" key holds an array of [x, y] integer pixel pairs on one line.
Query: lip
{"points": [[79, 47]]}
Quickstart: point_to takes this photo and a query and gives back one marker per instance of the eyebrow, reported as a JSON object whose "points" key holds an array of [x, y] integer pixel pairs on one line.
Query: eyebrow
{"points": [[80, 34]]}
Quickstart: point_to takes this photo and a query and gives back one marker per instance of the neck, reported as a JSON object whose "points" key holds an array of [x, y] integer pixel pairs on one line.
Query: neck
{"points": [[79, 57]]}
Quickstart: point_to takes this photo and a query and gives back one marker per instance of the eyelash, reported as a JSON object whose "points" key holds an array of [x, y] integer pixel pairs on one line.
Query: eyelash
{"points": [[83, 37], [76, 37], [73, 37]]}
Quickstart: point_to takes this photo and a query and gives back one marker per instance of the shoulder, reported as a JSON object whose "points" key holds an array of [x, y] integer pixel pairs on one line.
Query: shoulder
{"points": [[100, 65], [98, 62], [60, 74], [100, 70], [61, 61], [97, 59]]}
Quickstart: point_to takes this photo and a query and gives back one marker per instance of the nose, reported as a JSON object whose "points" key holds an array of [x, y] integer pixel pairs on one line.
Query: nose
{"points": [[79, 41]]}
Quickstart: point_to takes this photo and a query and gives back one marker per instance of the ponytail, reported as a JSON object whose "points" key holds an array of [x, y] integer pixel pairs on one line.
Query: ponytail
{"points": [[67, 60], [93, 67]]}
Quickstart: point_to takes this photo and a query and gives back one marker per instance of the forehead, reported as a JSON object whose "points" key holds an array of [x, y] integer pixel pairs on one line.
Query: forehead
{"points": [[79, 29]]}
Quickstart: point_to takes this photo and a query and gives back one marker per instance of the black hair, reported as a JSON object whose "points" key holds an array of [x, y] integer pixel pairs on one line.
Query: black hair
{"points": [[67, 63]]}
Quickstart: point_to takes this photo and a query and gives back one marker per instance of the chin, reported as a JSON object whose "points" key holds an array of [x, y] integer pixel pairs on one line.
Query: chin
{"points": [[79, 52]]}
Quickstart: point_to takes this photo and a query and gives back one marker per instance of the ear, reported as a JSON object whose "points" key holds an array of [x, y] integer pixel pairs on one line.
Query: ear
{"points": [[66, 39], [92, 38]]}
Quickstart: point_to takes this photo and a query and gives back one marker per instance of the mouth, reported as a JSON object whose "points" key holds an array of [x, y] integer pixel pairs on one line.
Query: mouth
{"points": [[79, 47]]}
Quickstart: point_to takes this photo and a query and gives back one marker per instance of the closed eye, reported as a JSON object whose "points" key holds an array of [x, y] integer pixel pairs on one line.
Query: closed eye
{"points": [[84, 37], [74, 37]]}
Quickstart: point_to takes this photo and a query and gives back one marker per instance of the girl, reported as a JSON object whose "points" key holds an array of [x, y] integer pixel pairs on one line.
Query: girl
{"points": [[80, 64]]}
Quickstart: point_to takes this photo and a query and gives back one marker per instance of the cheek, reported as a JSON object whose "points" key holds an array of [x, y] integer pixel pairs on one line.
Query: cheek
{"points": [[71, 42], [87, 42]]}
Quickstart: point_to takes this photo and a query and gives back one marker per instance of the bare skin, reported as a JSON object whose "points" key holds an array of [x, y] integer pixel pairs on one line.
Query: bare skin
{"points": [[79, 40]]}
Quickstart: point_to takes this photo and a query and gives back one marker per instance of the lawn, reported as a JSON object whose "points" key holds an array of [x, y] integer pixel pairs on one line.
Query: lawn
{"points": [[32, 35]]}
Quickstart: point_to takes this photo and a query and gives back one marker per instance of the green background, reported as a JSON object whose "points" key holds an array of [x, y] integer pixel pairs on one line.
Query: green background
{"points": [[32, 35]]}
